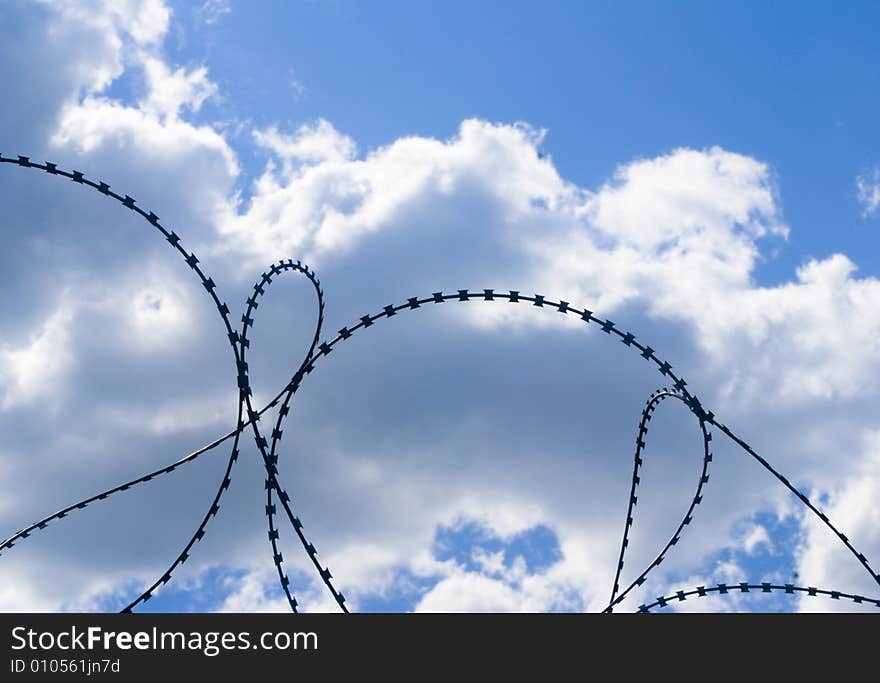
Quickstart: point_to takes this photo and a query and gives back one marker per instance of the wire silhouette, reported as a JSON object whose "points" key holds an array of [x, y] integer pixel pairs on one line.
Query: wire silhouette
{"points": [[249, 417]]}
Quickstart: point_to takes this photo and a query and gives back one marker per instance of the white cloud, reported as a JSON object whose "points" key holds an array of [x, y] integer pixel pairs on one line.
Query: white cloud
{"points": [[499, 588], [125, 37], [822, 559], [727, 572], [109, 28], [755, 537], [677, 234], [155, 310], [170, 91], [469, 592], [689, 200], [36, 369], [683, 231], [868, 187], [248, 594], [330, 200], [310, 145]]}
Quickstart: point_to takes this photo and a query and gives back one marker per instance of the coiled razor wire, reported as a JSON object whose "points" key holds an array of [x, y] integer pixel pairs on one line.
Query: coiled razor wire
{"points": [[250, 417]]}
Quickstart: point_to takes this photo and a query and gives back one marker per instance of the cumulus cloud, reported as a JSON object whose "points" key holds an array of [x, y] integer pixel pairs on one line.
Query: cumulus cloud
{"points": [[170, 91], [310, 144], [678, 235], [324, 200], [111, 27]]}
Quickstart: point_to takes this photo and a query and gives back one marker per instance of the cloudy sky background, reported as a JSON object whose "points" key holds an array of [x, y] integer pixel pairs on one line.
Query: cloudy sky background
{"points": [[707, 177]]}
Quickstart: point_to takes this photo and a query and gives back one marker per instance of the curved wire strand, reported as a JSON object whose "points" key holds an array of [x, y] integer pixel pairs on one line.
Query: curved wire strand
{"points": [[248, 416]]}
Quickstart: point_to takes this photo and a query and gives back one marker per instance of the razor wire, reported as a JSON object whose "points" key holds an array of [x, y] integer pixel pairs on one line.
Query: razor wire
{"points": [[249, 417]]}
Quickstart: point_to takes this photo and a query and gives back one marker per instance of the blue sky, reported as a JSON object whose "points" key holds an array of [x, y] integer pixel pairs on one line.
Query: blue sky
{"points": [[705, 174]]}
